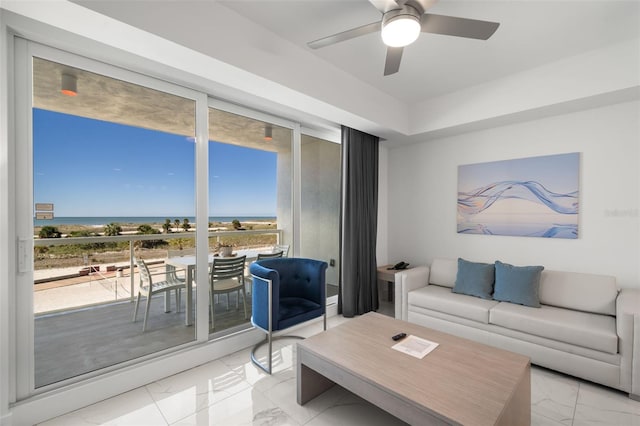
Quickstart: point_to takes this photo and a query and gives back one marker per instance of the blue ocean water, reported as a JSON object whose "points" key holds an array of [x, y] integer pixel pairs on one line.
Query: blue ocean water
{"points": [[104, 220]]}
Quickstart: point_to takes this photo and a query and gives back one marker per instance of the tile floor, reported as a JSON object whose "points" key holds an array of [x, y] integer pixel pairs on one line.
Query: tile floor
{"points": [[231, 391]]}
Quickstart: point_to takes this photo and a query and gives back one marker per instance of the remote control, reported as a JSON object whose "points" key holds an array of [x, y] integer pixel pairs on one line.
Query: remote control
{"points": [[399, 336]]}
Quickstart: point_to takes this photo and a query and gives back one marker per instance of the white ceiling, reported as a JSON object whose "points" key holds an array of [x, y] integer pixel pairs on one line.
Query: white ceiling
{"points": [[531, 33]]}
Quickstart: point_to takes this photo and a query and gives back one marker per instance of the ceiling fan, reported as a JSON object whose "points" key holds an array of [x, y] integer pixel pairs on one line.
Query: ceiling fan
{"points": [[401, 24]]}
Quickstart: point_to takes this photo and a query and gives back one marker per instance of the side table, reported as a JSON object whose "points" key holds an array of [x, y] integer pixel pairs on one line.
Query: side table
{"points": [[389, 275]]}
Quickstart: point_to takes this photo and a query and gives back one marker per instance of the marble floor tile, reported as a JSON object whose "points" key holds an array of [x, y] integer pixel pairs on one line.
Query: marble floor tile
{"points": [[283, 366], [131, 408], [232, 391], [284, 396], [553, 396], [248, 407], [598, 405], [351, 410], [186, 393]]}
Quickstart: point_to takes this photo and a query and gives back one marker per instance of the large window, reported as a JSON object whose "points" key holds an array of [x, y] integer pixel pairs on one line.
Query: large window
{"points": [[112, 168], [113, 162]]}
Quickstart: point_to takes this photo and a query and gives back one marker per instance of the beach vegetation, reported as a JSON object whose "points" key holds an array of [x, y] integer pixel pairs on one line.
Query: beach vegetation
{"points": [[236, 224], [112, 230], [49, 232], [186, 225], [166, 226], [177, 223], [72, 253], [182, 243], [145, 229]]}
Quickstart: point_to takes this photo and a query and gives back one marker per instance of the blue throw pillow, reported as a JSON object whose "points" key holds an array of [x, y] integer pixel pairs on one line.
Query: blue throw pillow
{"points": [[518, 284], [474, 279]]}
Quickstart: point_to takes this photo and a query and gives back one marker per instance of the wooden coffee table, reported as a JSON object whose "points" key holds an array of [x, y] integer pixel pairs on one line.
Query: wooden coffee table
{"points": [[460, 382]]}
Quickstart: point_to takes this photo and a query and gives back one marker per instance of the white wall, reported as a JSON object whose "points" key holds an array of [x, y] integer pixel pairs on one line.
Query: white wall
{"points": [[423, 192]]}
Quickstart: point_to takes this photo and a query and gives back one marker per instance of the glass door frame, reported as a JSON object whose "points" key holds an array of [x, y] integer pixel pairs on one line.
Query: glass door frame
{"points": [[23, 312], [20, 153]]}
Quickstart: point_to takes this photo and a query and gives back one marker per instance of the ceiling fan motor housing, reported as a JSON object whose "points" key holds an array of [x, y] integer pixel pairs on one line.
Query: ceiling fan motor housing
{"points": [[407, 11]]}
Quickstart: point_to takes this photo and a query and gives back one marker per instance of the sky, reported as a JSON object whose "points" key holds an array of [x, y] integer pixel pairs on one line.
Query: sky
{"points": [[87, 167]]}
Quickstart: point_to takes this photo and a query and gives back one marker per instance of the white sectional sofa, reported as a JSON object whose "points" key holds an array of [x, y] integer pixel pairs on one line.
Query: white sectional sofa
{"points": [[585, 326]]}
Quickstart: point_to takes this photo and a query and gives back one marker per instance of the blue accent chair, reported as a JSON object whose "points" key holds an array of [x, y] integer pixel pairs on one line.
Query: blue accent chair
{"points": [[286, 292]]}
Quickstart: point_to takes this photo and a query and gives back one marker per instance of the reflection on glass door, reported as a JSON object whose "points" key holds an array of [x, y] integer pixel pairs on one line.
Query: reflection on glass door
{"points": [[249, 208], [320, 211], [113, 182]]}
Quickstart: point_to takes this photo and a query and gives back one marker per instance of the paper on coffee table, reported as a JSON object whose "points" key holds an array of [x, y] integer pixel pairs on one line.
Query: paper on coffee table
{"points": [[415, 346]]}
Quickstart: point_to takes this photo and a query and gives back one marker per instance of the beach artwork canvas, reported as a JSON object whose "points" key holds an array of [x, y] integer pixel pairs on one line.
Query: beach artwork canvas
{"points": [[528, 197]]}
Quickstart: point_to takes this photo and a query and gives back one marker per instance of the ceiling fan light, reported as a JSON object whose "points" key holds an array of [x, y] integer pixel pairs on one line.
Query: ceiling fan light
{"points": [[401, 31]]}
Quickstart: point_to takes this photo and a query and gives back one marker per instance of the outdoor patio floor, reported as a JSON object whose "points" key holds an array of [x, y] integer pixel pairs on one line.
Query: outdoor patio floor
{"points": [[73, 342]]}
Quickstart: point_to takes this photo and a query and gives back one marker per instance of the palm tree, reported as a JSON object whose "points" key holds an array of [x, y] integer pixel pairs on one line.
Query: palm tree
{"points": [[112, 229], [177, 222], [185, 224], [167, 226]]}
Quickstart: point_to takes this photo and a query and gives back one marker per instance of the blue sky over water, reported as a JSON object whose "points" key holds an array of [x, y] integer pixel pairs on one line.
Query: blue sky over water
{"points": [[89, 167]]}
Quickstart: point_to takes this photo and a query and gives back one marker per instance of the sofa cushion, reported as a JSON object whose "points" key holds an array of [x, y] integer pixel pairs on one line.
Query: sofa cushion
{"points": [[474, 279], [442, 299], [517, 284], [443, 272], [580, 291], [584, 329]]}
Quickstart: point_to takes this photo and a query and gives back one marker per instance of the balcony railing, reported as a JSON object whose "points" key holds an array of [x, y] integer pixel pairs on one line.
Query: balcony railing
{"points": [[115, 273]]}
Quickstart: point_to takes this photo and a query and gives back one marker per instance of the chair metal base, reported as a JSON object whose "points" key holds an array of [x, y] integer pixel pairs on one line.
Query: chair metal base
{"points": [[269, 340], [268, 368]]}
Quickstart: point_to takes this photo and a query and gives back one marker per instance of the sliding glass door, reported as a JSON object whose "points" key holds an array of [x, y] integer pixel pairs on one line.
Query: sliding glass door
{"points": [[126, 186], [111, 166], [320, 205], [250, 195]]}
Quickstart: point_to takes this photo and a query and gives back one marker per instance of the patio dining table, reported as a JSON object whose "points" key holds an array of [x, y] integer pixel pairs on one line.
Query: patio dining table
{"points": [[188, 263]]}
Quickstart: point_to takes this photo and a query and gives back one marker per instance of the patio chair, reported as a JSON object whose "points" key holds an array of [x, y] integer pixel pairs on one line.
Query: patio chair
{"points": [[171, 270], [227, 276], [285, 292], [269, 255], [148, 288], [284, 248]]}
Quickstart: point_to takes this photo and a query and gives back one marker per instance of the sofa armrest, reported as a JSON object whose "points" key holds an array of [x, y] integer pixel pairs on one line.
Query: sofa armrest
{"points": [[406, 281], [628, 329]]}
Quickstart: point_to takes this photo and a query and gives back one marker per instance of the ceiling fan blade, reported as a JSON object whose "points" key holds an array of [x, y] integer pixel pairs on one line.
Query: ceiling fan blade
{"points": [[392, 63], [459, 27], [345, 35]]}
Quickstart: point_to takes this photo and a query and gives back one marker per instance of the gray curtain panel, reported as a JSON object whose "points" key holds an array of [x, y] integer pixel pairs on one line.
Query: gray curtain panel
{"points": [[358, 284]]}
